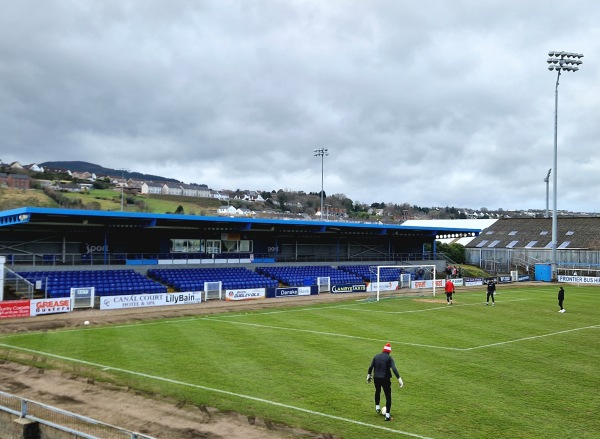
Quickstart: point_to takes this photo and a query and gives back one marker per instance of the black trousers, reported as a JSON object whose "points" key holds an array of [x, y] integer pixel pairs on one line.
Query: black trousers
{"points": [[386, 385], [489, 294]]}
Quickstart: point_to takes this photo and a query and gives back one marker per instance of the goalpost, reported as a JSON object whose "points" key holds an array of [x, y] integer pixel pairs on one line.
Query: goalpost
{"points": [[394, 278]]}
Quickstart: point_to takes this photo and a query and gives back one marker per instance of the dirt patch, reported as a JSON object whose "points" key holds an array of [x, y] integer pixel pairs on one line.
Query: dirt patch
{"points": [[430, 300], [154, 415]]}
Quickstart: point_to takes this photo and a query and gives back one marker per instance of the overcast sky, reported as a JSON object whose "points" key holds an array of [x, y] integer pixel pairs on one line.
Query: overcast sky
{"points": [[431, 103]]}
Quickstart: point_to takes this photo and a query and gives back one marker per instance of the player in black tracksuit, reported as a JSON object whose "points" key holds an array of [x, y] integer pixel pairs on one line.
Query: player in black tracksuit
{"points": [[491, 289], [382, 367], [561, 298]]}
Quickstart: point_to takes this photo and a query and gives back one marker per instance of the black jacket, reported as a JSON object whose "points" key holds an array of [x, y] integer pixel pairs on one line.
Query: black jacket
{"points": [[382, 364]]}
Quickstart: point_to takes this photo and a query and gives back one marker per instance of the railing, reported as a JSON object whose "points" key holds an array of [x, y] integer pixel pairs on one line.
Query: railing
{"points": [[15, 283], [565, 257], [62, 420], [103, 259], [579, 269]]}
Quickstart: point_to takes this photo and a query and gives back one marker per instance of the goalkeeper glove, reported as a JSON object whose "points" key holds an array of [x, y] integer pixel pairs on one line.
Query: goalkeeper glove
{"points": [[400, 382], [368, 378]]}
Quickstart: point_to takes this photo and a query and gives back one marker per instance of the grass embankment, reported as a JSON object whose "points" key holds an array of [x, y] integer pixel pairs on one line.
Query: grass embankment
{"points": [[110, 200]]}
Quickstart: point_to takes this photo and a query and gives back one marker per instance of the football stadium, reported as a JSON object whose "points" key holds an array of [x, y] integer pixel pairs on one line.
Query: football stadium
{"points": [[266, 328]]}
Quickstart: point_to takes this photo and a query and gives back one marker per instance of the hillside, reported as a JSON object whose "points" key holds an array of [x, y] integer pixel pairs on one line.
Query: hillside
{"points": [[79, 166], [281, 202], [109, 200], [14, 198]]}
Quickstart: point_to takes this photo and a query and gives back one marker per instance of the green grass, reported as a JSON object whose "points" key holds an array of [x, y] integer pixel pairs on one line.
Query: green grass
{"points": [[11, 198], [109, 199], [516, 370]]}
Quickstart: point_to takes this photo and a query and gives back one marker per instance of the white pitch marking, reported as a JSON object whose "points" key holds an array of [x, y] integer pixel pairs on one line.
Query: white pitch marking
{"points": [[533, 337], [225, 392], [310, 331]]}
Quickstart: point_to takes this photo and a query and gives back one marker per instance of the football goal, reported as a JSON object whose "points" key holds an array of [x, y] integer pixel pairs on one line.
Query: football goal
{"points": [[395, 280]]}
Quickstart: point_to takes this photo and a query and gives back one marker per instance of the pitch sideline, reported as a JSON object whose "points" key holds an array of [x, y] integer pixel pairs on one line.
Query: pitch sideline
{"points": [[224, 392]]}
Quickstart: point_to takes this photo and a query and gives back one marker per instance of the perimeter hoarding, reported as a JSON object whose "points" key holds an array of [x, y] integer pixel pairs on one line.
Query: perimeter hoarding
{"points": [[148, 300]]}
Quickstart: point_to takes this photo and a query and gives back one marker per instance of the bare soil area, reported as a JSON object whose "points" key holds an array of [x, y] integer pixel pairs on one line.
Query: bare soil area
{"points": [[154, 415]]}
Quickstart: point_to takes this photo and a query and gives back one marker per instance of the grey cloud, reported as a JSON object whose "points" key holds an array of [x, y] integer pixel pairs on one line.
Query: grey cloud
{"points": [[431, 104]]}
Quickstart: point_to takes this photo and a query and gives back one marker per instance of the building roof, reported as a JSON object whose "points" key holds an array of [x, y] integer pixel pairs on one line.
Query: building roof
{"points": [[572, 233], [31, 216], [475, 224]]}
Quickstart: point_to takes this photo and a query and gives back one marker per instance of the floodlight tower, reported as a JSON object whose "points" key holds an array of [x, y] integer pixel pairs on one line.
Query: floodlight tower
{"points": [[570, 62], [321, 152], [547, 181]]}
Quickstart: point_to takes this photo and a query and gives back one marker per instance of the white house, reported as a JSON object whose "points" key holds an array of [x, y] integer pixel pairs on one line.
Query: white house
{"points": [[172, 189], [219, 196], [150, 187], [227, 210], [35, 168], [189, 190], [203, 191]]}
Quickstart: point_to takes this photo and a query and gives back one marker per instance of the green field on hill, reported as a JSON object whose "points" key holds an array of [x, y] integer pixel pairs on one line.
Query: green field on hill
{"points": [[110, 200], [516, 370]]}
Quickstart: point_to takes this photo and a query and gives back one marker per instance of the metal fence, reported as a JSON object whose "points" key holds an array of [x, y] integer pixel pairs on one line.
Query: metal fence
{"points": [[71, 423], [18, 285], [522, 259]]}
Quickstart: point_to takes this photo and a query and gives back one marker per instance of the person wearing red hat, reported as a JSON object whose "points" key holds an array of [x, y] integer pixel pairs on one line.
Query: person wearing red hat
{"points": [[382, 367]]}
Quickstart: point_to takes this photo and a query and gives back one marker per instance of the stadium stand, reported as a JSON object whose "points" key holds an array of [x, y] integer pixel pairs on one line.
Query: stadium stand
{"points": [[307, 275], [193, 279], [105, 282]]}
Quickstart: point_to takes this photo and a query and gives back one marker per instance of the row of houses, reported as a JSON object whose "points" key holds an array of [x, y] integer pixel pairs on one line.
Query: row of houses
{"points": [[187, 190], [82, 182]]}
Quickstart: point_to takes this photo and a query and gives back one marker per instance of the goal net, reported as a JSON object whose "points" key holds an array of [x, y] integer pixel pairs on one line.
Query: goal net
{"points": [[213, 290], [395, 280]]}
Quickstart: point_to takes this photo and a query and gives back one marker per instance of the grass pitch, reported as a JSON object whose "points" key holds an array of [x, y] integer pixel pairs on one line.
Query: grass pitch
{"points": [[519, 369]]}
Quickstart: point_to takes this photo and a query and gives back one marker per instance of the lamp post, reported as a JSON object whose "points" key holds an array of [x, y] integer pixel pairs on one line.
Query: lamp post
{"points": [[558, 61], [122, 184], [547, 181], [321, 152]]}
